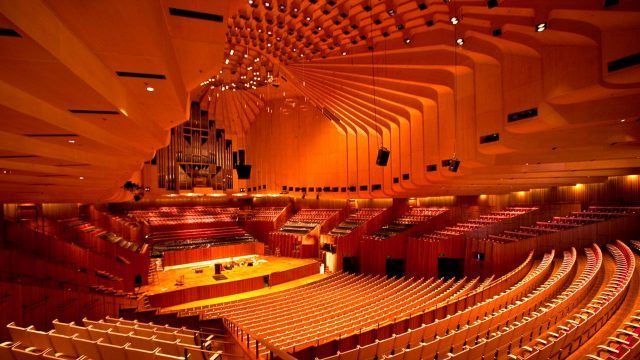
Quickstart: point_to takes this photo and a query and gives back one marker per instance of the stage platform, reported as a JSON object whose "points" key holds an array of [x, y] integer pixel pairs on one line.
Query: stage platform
{"points": [[202, 285]]}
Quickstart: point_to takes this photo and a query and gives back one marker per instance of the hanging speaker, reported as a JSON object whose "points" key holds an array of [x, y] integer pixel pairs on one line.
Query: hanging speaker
{"points": [[244, 171], [454, 164], [383, 156]]}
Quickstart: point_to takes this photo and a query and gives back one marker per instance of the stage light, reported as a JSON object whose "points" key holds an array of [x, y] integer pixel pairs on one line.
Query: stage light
{"points": [[81, 177], [454, 20], [71, 141], [460, 41], [150, 89], [407, 40], [541, 27]]}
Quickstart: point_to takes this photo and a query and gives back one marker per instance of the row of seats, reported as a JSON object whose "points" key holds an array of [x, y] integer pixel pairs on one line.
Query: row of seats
{"points": [[561, 223], [313, 313], [265, 214], [412, 217], [104, 340], [183, 215], [355, 219], [477, 223], [198, 238], [306, 220], [463, 327]]}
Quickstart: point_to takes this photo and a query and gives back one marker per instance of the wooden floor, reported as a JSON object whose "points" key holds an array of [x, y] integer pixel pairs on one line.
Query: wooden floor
{"points": [[167, 279], [248, 294]]}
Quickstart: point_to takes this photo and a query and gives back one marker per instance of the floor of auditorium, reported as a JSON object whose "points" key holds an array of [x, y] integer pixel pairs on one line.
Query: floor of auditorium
{"points": [[248, 294], [167, 279]]}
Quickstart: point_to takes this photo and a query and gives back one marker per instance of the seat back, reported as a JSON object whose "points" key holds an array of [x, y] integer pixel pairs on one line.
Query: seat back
{"points": [[108, 351], [87, 348], [117, 338], [62, 343], [138, 354], [142, 343], [39, 339], [19, 334]]}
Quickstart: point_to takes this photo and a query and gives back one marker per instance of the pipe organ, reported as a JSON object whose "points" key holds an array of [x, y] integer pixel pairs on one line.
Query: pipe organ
{"points": [[198, 156]]}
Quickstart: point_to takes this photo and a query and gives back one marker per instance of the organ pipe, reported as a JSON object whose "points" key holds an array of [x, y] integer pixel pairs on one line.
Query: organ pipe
{"points": [[198, 155]]}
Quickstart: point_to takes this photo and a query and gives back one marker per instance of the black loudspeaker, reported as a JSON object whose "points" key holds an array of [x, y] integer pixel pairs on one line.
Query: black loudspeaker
{"points": [[235, 159], [218, 269], [244, 171], [454, 164], [383, 157]]}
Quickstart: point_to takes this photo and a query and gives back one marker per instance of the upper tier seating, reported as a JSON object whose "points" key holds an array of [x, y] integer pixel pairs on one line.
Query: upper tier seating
{"points": [[412, 217], [559, 223], [306, 220], [357, 218], [197, 238], [477, 223], [175, 218], [265, 214]]}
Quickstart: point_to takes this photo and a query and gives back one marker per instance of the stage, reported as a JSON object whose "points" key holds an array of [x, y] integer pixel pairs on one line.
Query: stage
{"points": [[202, 285]]}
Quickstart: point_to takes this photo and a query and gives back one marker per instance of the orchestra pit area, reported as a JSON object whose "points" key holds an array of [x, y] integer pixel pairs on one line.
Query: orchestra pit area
{"points": [[320, 179]]}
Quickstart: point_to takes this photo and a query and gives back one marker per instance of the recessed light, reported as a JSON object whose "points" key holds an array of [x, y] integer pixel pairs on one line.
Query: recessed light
{"points": [[81, 177], [460, 41], [150, 89], [454, 20], [71, 141], [541, 27], [623, 120]]}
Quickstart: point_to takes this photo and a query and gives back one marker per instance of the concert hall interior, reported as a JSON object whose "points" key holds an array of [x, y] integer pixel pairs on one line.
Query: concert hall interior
{"points": [[319, 179]]}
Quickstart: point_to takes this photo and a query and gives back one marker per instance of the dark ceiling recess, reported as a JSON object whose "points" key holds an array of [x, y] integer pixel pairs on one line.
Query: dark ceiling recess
{"points": [[195, 14], [17, 156], [624, 62], [140, 75], [521, 115], [97, 112], [9, 32], [51, 135]]}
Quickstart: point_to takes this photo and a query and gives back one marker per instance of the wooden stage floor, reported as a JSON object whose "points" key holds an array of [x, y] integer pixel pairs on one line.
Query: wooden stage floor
{"points": [[167, 279]]}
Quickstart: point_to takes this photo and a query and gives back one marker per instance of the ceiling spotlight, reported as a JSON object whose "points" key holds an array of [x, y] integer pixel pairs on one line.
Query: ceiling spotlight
{"points": [[541, 27], [454, 20], [407, 40], [344, 53], [150, 89], [81, 177], [231, 52], [460, 41], [71, 141]]}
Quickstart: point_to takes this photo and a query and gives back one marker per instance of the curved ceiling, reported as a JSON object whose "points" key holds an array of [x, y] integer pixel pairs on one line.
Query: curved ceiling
{"points": [[430, 80]]}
